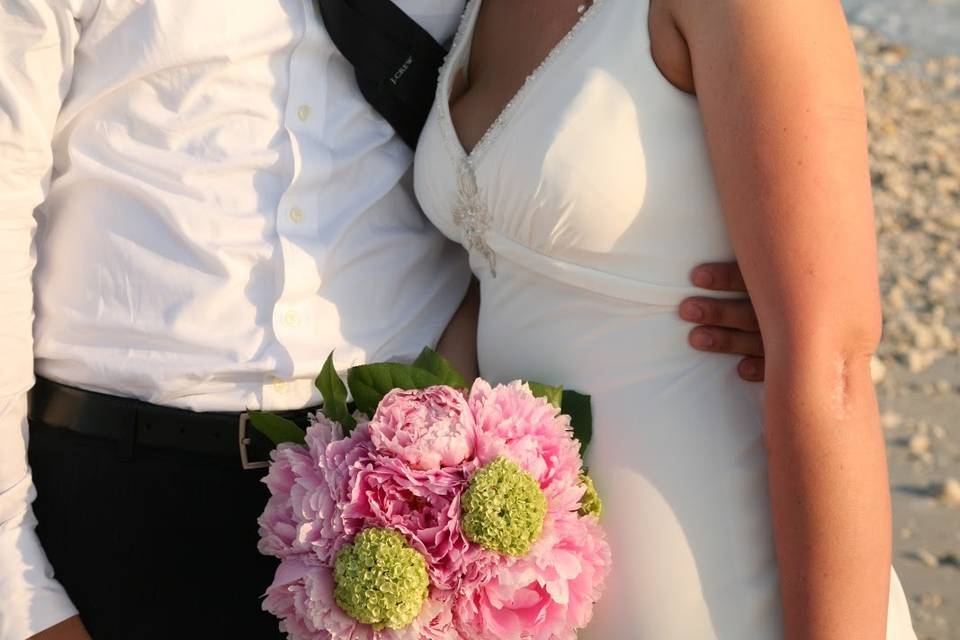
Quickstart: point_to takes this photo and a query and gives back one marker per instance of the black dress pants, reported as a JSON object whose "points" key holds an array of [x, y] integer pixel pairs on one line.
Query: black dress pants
{"points": [[163, 545]]}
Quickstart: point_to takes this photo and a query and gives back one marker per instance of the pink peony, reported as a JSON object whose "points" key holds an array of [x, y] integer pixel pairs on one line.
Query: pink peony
{"points": [[424, 505], [545, 595], [300, 501], [511, 422], [278, 526], [339, 458], [307, 487], [302, 597], [436, 618], [428, 428], [289, 598]]}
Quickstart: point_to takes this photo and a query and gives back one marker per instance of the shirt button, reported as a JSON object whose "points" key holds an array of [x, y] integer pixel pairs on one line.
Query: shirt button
{"points": [[291, 318], [304, 112], [296, 214]]}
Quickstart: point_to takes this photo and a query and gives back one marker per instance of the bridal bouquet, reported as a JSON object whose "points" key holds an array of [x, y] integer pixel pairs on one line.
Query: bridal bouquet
{"points": [[432, 511]]}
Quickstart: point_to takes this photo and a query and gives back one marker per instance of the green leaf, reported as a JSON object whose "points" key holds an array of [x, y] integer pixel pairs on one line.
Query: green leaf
{"points": [[334, 394], [278, 429], [553, 395], [370, 382], [578, 407], [430, 360]]}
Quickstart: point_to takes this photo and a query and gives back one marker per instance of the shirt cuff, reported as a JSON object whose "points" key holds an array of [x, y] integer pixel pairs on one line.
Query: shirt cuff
{"points": [[31, 600]]}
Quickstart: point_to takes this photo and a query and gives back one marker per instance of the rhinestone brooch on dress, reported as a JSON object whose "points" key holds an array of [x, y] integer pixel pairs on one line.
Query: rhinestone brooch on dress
{"points": [[472, 216]]}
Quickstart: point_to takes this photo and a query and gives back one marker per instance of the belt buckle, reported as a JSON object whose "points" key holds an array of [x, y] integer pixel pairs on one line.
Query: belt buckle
{"points": [[244, 441]]}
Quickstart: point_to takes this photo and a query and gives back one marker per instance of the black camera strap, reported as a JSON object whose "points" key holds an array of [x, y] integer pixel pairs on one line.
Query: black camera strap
{"points": [[396, 61]]}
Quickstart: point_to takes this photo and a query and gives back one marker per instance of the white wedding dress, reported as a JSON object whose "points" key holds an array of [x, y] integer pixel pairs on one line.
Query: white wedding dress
{"points": [[584, 208]]}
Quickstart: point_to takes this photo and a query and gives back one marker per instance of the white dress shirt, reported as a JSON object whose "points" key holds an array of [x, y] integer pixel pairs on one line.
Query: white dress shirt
{"points": [[211, 208]]}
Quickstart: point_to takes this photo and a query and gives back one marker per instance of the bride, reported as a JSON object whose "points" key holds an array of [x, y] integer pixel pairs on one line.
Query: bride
{"points": [[587, 156]]}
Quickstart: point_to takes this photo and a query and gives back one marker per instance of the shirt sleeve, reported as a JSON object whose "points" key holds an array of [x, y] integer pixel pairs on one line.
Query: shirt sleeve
{"points": [[37, 40]]}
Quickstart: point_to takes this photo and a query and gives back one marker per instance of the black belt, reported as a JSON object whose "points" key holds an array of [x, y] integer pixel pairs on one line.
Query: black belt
{"points": [[133, 423]]}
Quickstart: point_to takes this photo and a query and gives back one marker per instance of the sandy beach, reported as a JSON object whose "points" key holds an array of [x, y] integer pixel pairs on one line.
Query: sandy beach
{"points": [[928, 26], [913, 100]]}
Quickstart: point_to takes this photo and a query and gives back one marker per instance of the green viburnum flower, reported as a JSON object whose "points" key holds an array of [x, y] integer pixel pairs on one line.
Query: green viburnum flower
{"points": [[590, 503], [380, 579], [503, 508]]}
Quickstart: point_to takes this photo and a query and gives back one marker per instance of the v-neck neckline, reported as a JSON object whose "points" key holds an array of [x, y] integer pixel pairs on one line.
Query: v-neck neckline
{"points": [[459, 60]]}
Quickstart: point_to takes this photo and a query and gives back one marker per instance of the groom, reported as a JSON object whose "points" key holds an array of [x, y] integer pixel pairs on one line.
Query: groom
{"points": [[207, 206]]}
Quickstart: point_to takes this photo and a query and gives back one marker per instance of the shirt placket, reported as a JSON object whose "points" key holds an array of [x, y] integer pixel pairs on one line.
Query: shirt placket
{"points": [[297, 222]]}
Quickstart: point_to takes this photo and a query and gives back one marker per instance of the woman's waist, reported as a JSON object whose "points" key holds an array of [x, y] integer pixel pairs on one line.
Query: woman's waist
{"points": [[638, 278], [593, 348], [649, 391]]}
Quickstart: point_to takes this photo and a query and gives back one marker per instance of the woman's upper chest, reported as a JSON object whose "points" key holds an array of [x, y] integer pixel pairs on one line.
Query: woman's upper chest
{"points": [[510, 39]]}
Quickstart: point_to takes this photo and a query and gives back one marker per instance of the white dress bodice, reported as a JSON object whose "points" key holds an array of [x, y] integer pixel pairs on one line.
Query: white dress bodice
{"points": [[608, 176]]}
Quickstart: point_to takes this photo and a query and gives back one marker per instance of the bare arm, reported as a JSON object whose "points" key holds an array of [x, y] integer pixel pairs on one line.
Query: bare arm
{"points": [[781, 100], [458, 344]]}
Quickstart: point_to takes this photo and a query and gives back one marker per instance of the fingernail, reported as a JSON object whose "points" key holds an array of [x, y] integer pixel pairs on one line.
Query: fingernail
{"points": [[702, 278], [749, 370], [702, 340], [692, 312]]}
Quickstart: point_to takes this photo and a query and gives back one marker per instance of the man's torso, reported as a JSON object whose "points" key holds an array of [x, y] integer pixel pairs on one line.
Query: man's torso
{"points": [[225, 210]]}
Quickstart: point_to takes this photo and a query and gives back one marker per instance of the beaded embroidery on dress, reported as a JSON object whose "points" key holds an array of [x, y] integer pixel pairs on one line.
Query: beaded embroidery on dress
{"points": [[472, 216]]}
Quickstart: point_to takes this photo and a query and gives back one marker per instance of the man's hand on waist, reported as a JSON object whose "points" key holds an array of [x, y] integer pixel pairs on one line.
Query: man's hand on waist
{"points": [[725, 326]]}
